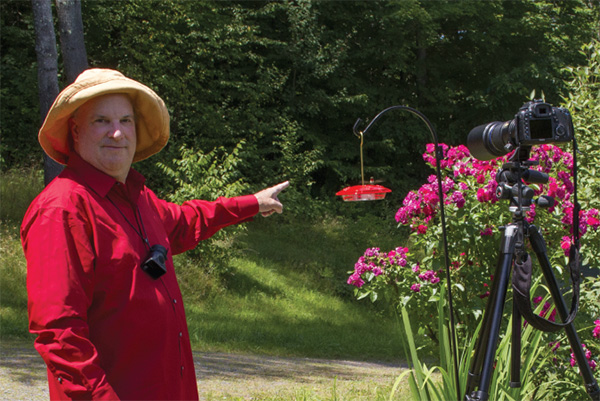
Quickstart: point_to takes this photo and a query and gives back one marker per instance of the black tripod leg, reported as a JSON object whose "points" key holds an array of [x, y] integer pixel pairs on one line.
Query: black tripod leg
{"points": [[539, 246], [487, 343], [484, 334], [482, 342], [515, 350]]}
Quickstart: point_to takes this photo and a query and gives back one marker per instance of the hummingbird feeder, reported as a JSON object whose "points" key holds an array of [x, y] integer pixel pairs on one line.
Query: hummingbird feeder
{"points": [[363, 192]]}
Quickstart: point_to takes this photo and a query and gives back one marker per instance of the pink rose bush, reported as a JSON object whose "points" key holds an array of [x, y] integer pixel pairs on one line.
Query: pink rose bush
{"points": [[410, 275]]}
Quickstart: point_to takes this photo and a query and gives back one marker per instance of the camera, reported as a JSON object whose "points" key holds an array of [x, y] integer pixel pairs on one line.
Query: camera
{"points": [[155, 262], [536, 123]]}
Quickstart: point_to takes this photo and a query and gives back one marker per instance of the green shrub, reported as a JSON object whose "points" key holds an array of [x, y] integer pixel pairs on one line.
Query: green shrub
{"points": [[199, 175]]}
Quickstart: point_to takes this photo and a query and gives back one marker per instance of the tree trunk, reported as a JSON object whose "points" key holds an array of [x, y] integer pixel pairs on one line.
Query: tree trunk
{"points": [[71, 38], [45, 48]]}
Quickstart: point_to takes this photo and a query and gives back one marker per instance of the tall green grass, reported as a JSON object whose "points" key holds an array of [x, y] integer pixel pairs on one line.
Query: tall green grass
{"points": [[424, 384]]}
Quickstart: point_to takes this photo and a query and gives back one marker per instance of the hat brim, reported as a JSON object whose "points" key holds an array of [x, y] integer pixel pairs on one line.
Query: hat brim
{"points": [[152, 116]]}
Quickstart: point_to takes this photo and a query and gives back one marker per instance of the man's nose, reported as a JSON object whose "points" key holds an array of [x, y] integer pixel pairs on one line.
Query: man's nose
{"points": [[116, 131]]}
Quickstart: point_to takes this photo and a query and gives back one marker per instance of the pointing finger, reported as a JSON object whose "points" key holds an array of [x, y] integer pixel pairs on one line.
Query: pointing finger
{"points": [[280, 187]]}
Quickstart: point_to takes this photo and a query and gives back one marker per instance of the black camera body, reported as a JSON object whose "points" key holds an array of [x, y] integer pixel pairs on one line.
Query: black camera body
{"points": [[155, 262], [540, 122], [536, 123]]}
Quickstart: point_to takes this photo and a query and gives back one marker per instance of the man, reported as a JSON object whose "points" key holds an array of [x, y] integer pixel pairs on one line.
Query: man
{"points": [[103, 296]]}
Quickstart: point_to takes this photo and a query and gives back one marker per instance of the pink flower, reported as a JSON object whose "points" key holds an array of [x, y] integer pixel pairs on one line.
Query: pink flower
{"points": [[544, 312], [596, 332], [458, 199], [427, 275], [530, 216], [416, 287], [372, 252], [356, 280], [488, 231], [481, 195], [568, 214], [422, 229], [566, 179], [592, 218], [487, 194], [588, 356], [565, 244]]}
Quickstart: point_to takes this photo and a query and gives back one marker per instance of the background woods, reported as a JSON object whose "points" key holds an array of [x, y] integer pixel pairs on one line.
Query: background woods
{"points": [[283, 82]]}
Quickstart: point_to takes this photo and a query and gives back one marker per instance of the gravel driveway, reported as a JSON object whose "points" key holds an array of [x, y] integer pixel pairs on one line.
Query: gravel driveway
{"points": [[226, 376]]}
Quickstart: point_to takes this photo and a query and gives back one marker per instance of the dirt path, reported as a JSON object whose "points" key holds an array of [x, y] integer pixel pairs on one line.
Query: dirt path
{"points": [[228, 377]]}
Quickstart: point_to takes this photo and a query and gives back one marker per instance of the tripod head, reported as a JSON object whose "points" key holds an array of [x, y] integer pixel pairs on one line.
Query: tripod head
{"points": [[511, 186]]}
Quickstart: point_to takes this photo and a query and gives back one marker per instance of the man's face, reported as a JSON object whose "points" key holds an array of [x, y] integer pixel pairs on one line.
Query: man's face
{"points": [[104, 135]]}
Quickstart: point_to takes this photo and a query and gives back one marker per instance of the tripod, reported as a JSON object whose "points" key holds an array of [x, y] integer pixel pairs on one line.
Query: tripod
{"points": [[512, 250]]}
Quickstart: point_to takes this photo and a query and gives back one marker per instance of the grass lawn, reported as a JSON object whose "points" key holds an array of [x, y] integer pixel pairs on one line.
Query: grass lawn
{"points": [[286, 295]]}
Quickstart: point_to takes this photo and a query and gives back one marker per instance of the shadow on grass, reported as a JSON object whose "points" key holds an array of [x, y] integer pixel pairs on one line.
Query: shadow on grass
{"points": [[327, 250], [242, 284]]}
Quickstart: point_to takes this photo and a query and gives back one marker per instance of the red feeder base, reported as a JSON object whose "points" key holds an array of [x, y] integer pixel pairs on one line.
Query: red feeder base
{"points": [[363, 193]]}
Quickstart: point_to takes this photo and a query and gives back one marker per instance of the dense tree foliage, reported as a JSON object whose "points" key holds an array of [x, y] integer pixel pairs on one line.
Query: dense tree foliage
{"points": [[284, 82]]}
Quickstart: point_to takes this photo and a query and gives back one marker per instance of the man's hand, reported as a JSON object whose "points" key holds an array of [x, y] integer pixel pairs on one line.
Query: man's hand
{"points": [[267, 199]]}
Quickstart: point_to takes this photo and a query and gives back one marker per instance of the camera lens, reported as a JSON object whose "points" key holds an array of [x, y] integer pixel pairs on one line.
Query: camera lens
{"points": [[489, 141]]}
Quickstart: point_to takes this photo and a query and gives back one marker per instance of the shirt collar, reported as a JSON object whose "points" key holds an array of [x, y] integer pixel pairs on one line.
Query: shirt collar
{"points": [[102, 183]]}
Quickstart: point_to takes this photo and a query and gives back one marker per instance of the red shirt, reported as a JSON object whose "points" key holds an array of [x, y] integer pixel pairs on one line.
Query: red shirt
{"points": [[106, 329]]}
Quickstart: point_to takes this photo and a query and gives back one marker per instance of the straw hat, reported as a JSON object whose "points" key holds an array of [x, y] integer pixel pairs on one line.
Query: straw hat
{"points": [[152, 117]]}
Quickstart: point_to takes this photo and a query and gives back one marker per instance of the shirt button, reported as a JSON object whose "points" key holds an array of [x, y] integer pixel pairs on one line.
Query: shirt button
{"points": [[180, 334], [59, 380], [174, 301]]}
